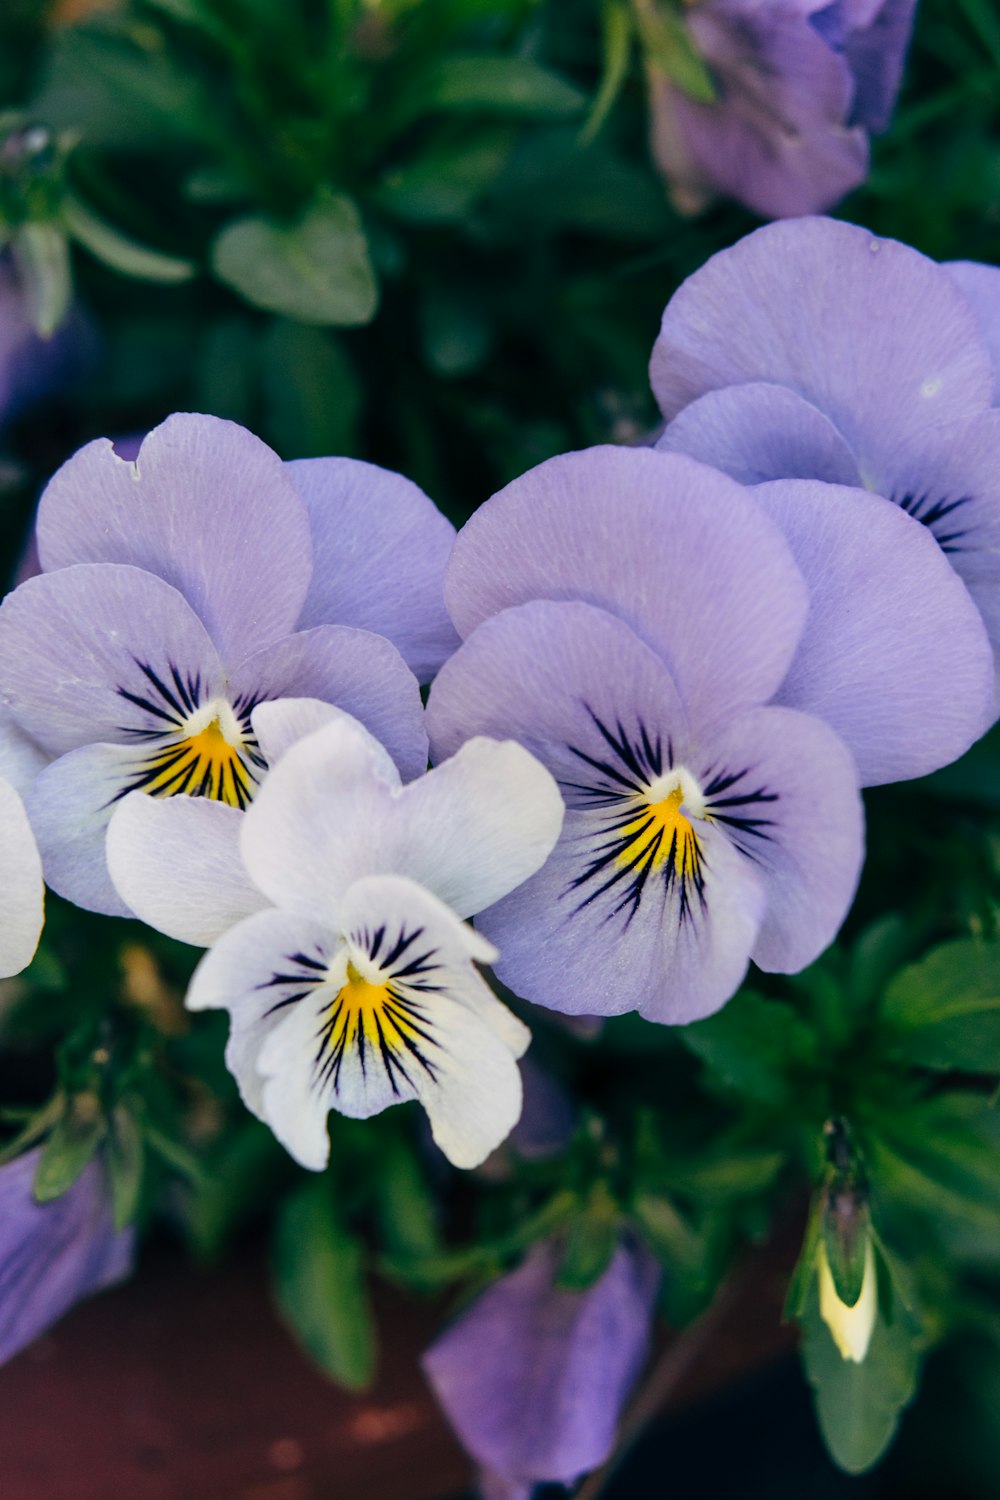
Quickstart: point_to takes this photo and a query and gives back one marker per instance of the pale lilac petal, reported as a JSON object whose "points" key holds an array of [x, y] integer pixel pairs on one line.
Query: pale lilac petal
{"points": [[317, 824], [206, 506], [980, 285], [534, 1378], [380, 548], [806, 304], [70, 807], [949, 480], [355, 670], [894, 656], [572, 682], [22, 893], [652, 538], [176, 863], [805, 835], [53, 1254], [250, 973], [756, 432], [776, 137], [74, 643], [20, 758]]}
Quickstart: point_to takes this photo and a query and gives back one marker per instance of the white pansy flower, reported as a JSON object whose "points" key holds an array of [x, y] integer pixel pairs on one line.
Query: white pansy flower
{"points": [[351, 978]]}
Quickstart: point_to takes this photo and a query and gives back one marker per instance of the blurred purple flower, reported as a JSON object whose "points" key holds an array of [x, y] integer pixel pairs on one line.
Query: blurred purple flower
{"points": [[815, 350], [184, 589], [799, 84], [627, 617], [53, 1254], [533, 1378], [30, 366]]}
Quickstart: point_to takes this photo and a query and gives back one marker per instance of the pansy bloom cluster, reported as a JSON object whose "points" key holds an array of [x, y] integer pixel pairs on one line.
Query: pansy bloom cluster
{"points": [[660, 678]]}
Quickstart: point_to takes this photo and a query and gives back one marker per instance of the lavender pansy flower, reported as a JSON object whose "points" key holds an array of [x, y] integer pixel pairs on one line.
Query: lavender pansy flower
{"points": [[798, 86], [355, 987], [31, 366], [814, 350], [22, 893], [628, 617], [171, 604], [533, 1378], [53, 1254]]}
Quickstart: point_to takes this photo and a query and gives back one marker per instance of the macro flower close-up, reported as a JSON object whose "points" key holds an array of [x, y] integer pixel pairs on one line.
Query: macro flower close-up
{"points": [[499, 749]]}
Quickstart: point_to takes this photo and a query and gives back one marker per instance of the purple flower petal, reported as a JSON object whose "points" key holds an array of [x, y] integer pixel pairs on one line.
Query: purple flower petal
{"points": [[380, 548], [533, 1378], [22, 894], [756, 432], [776, 138], [70, 807], [208, 507], [355, 670], [949, 480], [78, 647], [980, 285], [894, 656], [805, 834], [53, 1254], [873, 35], [876, 336], [617, 919], [642, 534]]}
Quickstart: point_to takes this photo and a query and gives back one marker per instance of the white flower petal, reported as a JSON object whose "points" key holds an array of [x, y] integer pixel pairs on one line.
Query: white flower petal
{"points": [[22, 894], [176, 862], [281, 722], [478, 825], [21, 759], [319, 820], [70, 806], [257, 971]]}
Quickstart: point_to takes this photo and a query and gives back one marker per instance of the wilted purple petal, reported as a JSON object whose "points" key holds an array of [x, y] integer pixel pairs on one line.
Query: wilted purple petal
{"points": [[894, 655], [534, 1378], [208, 507], [755, 432], [53, 1254], [980, 285], [807, 305], [548, 1114], [30, 366], [642, 535], [380, 548], [776, 137]]}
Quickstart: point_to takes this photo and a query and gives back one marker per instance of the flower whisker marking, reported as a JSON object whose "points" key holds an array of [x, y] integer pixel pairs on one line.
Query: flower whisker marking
{"points": [[930, 511]]}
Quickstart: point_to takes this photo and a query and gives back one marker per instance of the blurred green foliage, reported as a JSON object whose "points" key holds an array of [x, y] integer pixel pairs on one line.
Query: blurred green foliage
{"points": [[428, 233]]}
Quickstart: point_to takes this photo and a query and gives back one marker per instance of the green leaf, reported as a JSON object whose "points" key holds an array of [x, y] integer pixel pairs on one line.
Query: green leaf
{"points": [[119, 251], [500, 85], [946, 1009], [875, 957], [617, 51], [753, 1047], [669, 48], [317, 270], [447, 179], [42, 255], [312, 394], [125, 1159], [859, 1405], [591, 1241], [320, 1286], [725, 1174], [455, 329], [406, 1208], [71, 1146]]}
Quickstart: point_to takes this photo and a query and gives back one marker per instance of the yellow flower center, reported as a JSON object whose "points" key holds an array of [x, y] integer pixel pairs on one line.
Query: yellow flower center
{"points": [[661, 834], [210, 762]]}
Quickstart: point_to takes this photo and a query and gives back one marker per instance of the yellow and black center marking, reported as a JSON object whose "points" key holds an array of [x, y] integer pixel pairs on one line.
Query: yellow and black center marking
{"points": [[380, 1016], [195, 748], [646, 838]]}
